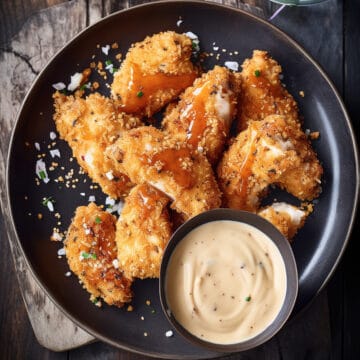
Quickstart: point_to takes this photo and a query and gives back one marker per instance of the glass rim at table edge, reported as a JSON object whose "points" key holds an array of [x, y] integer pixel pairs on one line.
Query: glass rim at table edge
{"points": [[297, 2]]}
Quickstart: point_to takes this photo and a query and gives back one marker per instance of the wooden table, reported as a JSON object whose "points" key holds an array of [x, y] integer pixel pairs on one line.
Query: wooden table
{"points": [[327, 328]]}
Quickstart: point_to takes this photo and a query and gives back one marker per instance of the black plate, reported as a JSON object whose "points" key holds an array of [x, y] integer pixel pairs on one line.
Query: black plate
{"points": [[317, 247]]}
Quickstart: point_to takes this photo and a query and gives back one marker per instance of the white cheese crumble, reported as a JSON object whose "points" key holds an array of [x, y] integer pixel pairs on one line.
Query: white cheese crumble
{"points": [[179, 22], [105, 49], [110, 175], [191, 35], [109, 201], [169, 333], [50, 206], [56, 236], [40, 170], [59, 86], [92, 198], [55, 152], [52, 135], [114, 206], [75, 81], [67, 274], [37, 146], [232, 65], [195, 40], [115, 263], [61, 252]]}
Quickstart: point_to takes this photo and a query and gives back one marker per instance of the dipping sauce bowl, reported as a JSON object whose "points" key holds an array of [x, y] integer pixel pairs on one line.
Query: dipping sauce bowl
{"points": [[228, 280]]}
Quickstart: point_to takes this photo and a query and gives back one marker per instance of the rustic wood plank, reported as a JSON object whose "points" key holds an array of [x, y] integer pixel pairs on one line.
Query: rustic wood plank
{"points": [[15, 328], [19, 11], [20, 62]]}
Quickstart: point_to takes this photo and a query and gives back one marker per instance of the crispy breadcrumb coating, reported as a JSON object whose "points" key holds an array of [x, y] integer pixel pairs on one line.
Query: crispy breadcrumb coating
{"points": [[142, 232], [92, 255], [203, 116], [262, 93], [89, 126], [288, 219], [148, 155], [270, 151], [154, 72]]}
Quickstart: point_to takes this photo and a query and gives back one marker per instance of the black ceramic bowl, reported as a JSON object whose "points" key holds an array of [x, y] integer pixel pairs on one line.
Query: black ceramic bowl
{"points": [[290, 267]]}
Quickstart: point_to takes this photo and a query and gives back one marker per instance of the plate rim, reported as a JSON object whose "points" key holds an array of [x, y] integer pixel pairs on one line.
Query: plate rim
{"points": [[201, 3]]}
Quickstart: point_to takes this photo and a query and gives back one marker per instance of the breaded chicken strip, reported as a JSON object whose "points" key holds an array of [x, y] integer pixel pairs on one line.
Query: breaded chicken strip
{"points": [[142, 232], [154, 72], [203, 116], [270, 151], [89, 126], [92, 255], [262, 92], [148, 155], [288, 219]]}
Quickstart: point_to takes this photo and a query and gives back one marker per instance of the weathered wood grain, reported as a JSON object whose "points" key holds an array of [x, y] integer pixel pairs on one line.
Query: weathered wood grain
{"points": [[20, 11], [22, 59]]}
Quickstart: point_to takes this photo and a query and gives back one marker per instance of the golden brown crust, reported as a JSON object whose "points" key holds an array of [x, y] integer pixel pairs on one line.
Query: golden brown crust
{"points": [[148, 155], [262, 92], [142, 232], [91, 250], [288, 219], [204, 114], [89, 126], [271, 151], [154, 72]]}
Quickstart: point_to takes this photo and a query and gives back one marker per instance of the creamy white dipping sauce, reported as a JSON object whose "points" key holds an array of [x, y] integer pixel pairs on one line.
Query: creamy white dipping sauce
{"points": [[225, 282]]}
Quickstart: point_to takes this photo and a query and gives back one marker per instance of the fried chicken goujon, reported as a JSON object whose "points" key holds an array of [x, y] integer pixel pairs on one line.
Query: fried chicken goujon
{"points": [[149, 156], [288, 219], [262, 93], [89, 126], [142, 232], [270, 151], [154, 72], [91, 251], [203, 116]]}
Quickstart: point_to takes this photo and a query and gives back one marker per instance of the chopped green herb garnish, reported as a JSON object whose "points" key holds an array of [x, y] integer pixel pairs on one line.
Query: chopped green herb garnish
{"points": [[139, 94], [46, 200], [108, 62], [42, 174], [248, 298], [114, 70], [95, 300], [98, 220], [83, 87], [86, 255], [257, 73], [153, 311]]}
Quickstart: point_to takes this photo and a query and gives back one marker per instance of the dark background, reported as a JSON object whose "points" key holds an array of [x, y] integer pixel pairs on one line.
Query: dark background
{"points": [[17, 340]]}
